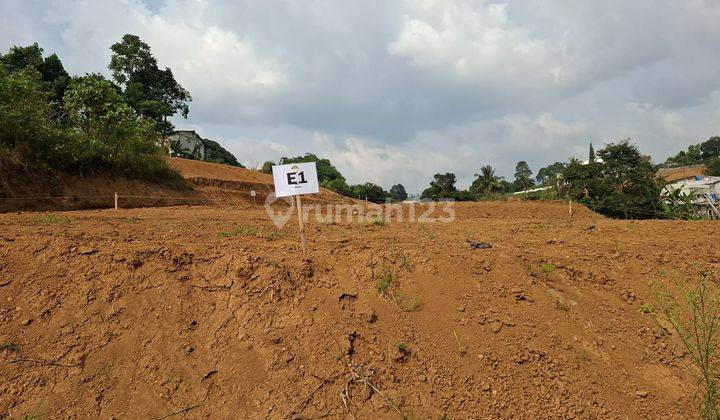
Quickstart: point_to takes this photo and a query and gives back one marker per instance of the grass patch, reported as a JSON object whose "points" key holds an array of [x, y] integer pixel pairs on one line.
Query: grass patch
{"points": [[427, 233], [52, 219], [693, 310], [385, 281], [546, 269], [378, 221], [403, 347], [414, 304], [647, 308], [562, 305], [8, 346], [249, 231]]}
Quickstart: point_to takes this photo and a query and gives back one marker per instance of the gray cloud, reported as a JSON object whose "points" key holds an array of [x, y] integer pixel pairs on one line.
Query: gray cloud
{"points": [[396, 91]]}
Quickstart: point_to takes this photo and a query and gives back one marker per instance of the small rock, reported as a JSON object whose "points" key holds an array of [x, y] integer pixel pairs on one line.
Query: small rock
{"points": [[497, 326], [87, 250], [461, 308], [26, 322], [369, 315], [642, 394], [485, 387]]}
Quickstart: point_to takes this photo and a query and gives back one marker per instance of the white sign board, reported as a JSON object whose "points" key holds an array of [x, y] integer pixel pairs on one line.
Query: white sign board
{"points": [[295, 179], [252, 193]]}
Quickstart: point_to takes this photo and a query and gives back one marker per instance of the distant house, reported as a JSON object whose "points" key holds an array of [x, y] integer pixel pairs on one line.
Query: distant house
{"points": [[186, 144], [690, 180]]}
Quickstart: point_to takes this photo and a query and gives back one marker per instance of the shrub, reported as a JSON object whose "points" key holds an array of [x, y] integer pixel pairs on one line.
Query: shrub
{"points": [[695, 316]]}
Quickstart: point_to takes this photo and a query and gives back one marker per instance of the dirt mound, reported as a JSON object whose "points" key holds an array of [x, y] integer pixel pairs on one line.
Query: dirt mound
{"points": [[223, 182], [205, 183], [213, 312]]}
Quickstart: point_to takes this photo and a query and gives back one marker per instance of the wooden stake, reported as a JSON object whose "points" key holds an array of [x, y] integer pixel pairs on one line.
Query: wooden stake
{"points": [[298, 204], [116, 201]]}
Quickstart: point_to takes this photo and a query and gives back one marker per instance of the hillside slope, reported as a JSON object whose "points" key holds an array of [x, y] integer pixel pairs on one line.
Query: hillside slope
{"points": [[213, 312], [205, 183], [223, 182]]}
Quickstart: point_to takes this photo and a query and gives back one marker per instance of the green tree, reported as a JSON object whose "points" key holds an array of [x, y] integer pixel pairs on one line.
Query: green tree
{"points": [[328, 175], [398, 193], [53, 75], [710, 149], [442, 186], [217, 154], [372, 192], [25, 123], [523, 176], [267, 167], [713, 167], [624, 186], [591, 154], [150, 91], [548, 174], [692, 156], [486, 182], [108, 134]]}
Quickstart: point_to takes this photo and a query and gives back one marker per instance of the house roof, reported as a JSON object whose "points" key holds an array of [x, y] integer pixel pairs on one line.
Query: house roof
{"points": [[682, 172]]}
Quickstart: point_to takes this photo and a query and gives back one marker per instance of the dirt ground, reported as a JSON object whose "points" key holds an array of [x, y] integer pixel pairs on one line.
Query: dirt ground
{"points": [[209, 311]]}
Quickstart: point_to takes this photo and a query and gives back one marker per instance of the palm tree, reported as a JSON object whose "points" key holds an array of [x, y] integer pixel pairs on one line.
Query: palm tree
{"points": [[486, 181]]}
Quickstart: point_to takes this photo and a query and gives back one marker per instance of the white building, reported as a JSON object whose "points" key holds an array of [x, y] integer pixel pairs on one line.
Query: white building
{"points": [[185, 143]]}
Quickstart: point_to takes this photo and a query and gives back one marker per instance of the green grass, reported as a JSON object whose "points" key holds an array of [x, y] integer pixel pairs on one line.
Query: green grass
{"points": [[544, 226], [52, 219], [546, 269], [385, 281], [378, 221], [562, 305], [414, 304], [8, 346], [427, 233], [647, 308], [249, 231], [402, 347]]}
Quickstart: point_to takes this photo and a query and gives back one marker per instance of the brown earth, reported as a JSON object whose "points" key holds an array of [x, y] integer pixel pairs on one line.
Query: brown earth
{"points": [[24, 189], [212, 312]]}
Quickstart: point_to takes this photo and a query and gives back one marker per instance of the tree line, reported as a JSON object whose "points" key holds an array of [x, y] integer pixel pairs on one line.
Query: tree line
{"points": [[616, 181], [52, 121]]}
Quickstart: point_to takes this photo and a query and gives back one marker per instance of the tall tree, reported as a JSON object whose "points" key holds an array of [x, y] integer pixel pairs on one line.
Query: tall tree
{"points": [[150, 91], [398, 193], [442, 186], [55, 78], [368, 191], [523, 176], [710, 148], [624, 186], [486, 182], [548, 174], [591, 154]]}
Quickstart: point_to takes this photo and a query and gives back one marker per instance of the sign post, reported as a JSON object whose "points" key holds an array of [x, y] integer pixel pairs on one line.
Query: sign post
{"points": [[253, 194], [296, 179]]}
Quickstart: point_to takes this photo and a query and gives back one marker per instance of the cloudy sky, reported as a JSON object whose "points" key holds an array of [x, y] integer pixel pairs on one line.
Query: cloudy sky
{"points": [[395, 91]]}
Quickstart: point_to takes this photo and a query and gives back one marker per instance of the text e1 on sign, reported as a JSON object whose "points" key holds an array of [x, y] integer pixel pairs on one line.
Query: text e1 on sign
{"points": [[295, 179]]}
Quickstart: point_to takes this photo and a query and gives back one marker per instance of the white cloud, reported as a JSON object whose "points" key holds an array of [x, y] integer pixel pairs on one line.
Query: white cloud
{"points": [[397, 91], [477, 42]]}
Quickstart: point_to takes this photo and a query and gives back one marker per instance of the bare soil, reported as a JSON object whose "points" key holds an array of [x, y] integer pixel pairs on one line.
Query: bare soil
{"points": [[213, 312], [23, 189]]}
